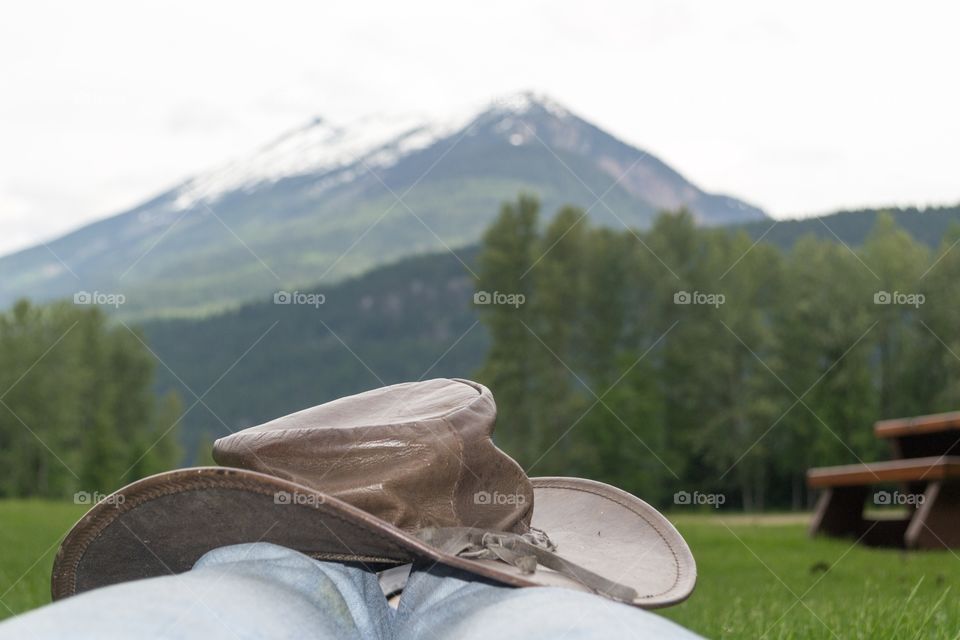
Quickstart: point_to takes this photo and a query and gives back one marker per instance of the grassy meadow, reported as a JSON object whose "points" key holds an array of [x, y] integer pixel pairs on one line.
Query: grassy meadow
{"points": [[763, 577], [30, 534], [760, 577]]}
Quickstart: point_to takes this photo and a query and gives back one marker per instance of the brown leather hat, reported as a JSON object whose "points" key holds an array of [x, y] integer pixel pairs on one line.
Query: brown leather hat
{"points": [[388, 476]]}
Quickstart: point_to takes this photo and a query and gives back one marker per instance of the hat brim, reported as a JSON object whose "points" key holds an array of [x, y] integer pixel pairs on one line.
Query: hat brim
{"points": [[163, 524], [616, 535]]}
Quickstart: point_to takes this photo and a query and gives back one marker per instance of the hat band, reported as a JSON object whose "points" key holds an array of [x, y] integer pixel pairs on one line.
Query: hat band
{"points": [[524, 551]]}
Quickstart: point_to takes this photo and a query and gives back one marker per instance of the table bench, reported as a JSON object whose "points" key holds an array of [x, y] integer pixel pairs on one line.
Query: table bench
{"points": [[928, 471]]}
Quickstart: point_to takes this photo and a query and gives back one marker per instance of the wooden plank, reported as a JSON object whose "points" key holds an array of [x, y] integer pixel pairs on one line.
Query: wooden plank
{"points": [[922, 445], [936, 524], [907, 470], [932, 423]]}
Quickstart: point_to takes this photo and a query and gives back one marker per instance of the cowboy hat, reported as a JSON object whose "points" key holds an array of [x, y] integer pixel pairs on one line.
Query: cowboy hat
{"points": [[392, 475]]}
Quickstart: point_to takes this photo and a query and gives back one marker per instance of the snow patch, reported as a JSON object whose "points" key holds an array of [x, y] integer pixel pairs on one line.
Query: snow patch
{"points": [[525, 101], [346, 150]]}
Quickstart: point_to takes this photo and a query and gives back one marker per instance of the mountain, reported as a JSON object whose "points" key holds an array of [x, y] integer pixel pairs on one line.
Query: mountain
{"points": [[328, 201], [929, 226]]}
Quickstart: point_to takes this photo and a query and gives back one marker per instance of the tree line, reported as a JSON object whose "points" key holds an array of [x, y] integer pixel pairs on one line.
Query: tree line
{"points": [[684, 358], [678, 358], [78, 415]]}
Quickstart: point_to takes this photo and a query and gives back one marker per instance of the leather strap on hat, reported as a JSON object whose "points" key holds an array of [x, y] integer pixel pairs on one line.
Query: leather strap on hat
{"points": [[524, 551]]}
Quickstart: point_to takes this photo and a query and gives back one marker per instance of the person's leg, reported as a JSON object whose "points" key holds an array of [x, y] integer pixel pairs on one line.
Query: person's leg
{"points": [[439, 602], [245, 591]]}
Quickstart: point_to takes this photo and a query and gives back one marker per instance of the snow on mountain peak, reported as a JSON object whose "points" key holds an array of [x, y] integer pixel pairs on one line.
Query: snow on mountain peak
{"points": [[319, 147], [322, 147], [525, 101]]}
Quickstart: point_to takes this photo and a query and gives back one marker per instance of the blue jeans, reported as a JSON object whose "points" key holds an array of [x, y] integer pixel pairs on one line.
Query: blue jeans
{"points": [[258, 591]]}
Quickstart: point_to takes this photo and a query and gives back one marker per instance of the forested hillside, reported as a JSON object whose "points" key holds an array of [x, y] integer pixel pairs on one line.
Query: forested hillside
{"points": [[928, 225], [407, 321], [780, 359]]}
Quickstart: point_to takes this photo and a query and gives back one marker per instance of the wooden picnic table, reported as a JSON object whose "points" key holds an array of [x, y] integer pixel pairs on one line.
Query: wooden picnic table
{"points": [[932, 435], [926, 470]]}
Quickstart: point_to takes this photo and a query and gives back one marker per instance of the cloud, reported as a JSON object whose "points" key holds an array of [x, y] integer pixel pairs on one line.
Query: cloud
{"points": [[199, 118]]}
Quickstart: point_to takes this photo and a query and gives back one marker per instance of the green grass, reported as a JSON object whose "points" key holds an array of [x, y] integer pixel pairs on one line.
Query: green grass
{"points": [[758, 577], [30, 534], [763, 577]]}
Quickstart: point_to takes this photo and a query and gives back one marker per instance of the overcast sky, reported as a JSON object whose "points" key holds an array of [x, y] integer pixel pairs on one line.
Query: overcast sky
{"points": [[800, 108]]}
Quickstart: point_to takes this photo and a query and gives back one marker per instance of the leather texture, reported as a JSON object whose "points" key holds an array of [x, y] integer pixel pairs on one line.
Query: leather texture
{"points": [[416, 454], [357, 479]]}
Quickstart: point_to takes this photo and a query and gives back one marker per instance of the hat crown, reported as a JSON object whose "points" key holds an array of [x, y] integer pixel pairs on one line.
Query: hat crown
{"points": [[416, 454]]}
